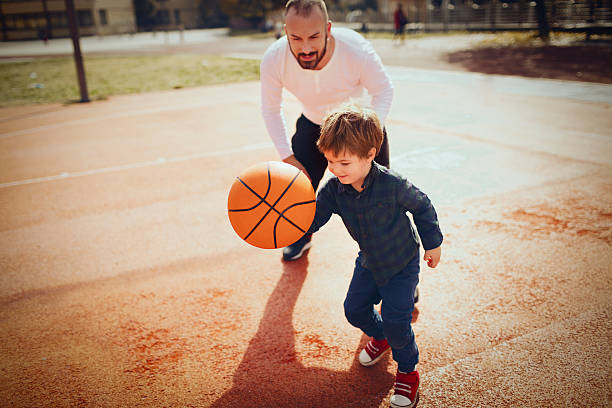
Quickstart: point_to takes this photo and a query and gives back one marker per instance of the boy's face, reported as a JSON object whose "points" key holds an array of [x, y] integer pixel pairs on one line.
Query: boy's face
{"points": [[350, 168]]}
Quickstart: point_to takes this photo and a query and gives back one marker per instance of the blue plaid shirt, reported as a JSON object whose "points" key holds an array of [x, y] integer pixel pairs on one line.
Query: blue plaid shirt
{"points": [[376, 218]]}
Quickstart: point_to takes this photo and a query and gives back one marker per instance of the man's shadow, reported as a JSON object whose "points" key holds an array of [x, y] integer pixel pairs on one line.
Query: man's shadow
{"points": [[271, 374]]}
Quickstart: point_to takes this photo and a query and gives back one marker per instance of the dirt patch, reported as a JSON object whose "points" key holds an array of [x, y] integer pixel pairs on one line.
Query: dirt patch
{"points": [[585, 62], [567, 56]]}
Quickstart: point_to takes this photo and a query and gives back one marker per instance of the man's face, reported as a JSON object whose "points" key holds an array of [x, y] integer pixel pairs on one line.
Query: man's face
{"points": [[307, 36]]}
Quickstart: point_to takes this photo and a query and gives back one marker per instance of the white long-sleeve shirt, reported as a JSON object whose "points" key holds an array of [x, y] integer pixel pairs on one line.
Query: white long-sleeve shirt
{"points": [[353, 67]]}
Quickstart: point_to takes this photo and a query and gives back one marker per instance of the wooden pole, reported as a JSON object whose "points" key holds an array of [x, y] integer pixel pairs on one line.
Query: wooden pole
{"points": [[3, 22], [47, 19], [78, 58], [543, 27]]}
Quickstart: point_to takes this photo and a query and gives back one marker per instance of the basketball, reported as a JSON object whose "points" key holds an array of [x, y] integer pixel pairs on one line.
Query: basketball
{"points": [[271, 205]]}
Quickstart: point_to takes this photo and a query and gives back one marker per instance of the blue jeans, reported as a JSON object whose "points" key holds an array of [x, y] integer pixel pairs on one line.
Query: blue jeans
{"points": [[397, 305]]}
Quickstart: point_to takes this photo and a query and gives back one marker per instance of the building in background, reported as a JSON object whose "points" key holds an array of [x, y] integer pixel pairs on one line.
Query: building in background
{"points": [[173, 14], [30, 19]]}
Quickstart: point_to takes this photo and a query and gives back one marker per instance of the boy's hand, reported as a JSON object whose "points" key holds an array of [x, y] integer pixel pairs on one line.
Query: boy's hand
{"points": [[432, 256]]}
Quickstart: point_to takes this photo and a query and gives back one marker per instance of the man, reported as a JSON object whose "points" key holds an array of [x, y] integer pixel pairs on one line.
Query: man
{"points": [[322, 67], [399, 21]]}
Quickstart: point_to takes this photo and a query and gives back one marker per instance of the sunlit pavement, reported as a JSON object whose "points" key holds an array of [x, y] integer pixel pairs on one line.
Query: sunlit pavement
{"points": [[123, 283]]}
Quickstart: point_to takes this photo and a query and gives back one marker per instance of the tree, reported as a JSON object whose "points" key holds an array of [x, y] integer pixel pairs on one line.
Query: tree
{"points": [[211, 14], [543, 27], [145, 13], [370, 4], [250, 9]]}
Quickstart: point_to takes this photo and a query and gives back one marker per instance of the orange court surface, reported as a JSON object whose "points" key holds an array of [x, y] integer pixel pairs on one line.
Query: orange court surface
{"points": [[122, 283]]}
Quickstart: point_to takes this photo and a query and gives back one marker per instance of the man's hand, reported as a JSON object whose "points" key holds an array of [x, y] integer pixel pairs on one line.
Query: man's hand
{"points": [[432, 256], [294, 162]]}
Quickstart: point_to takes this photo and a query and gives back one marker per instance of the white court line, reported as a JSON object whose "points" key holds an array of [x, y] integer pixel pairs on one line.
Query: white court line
{"points": [[414, 153], [95, 119], [137, 165], [162, 160]]}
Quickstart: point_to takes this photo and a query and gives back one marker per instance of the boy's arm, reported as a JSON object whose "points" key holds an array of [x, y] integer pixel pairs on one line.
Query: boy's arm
{"points": [[325, 208], [425, 219], [432, 256]]}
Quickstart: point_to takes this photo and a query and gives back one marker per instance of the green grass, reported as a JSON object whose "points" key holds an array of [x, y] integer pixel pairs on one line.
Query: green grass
{"points": [[526, 39], [497, 39], [253, 34], [531, 39], [371, 35], [107, 76]]}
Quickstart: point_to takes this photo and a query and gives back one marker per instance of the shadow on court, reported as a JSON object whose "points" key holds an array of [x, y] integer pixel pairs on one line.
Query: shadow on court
{"points": [[271, 363]]}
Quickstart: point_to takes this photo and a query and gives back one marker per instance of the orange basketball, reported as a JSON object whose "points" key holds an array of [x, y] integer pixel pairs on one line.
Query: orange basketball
{"points": [[271, 205]]}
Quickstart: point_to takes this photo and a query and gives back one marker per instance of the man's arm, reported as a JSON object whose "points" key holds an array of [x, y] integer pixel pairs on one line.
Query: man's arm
{"points": [[376, 80], [271, 103], [294, 162]]}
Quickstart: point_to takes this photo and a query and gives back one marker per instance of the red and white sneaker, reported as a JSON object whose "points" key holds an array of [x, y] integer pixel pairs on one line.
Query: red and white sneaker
{"points": [[406, 390], [373, 351]]}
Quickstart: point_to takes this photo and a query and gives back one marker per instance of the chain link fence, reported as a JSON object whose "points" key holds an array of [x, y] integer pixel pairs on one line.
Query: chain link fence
{"points": [[438, 15]]}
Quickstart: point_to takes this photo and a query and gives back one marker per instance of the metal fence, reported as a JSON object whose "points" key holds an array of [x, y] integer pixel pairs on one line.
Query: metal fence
{"points": [[436, 15]]}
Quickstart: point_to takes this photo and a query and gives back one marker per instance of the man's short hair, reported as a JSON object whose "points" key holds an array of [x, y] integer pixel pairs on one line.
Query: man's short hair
{"points": [[351, 128], [304, 7]]}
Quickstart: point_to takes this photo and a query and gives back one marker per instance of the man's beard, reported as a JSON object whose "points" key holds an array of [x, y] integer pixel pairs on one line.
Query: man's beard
{"points": [[311, 64]]}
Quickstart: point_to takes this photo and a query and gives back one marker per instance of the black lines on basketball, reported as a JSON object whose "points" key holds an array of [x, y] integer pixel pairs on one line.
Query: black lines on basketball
{"points": [[261, 199], [272, 207], [288, 195]]}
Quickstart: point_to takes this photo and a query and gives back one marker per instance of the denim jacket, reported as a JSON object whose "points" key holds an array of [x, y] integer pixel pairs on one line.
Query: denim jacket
{"points": [[377, 219]]}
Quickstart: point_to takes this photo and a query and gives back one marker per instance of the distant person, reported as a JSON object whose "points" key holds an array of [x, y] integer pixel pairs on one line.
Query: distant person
{"points": [[278, 29], [181, 28], [322, 67], [399, 20], [43, 35], [373, 202]]}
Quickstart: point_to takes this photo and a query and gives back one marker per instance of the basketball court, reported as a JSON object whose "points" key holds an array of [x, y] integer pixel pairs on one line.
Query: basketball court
{"points": [[123, 284]]}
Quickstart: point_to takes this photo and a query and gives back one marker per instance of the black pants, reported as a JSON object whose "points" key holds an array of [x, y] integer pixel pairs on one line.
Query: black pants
{"points": [[304, 145]]}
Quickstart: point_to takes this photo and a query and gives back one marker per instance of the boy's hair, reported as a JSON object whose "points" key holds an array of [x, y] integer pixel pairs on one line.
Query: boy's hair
{"points": [[304, 7], [351, 128]]}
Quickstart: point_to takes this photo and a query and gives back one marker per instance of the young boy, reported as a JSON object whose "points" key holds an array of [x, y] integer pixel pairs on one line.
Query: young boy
{"points": [[372, 201]]}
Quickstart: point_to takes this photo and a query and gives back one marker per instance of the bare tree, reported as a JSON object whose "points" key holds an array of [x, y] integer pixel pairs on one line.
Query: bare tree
{"points": [[251, 9], [145, 13], [543, 26]]}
